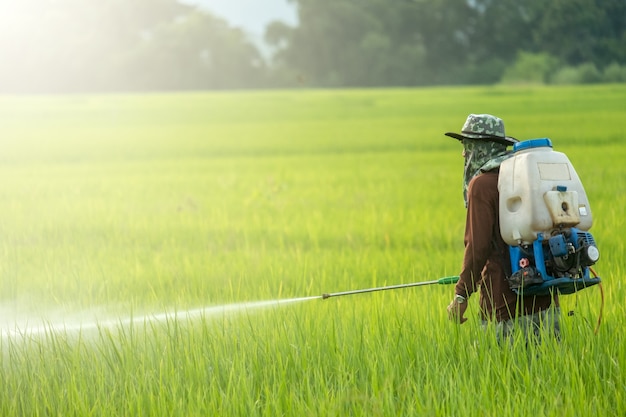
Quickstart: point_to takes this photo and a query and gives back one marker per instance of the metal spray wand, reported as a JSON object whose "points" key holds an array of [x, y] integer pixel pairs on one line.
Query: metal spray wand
{"points": [[441, 281]]}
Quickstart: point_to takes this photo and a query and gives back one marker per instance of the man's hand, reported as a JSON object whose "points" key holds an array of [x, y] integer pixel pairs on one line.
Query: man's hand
{"points": [[456, 310]]}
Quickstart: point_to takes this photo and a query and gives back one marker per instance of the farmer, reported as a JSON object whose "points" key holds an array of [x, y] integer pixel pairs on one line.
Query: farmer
{"points": [[486, 259]]}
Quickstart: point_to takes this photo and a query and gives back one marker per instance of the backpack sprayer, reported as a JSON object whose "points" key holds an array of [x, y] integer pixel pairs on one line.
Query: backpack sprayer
{"points": [[545, 218]]}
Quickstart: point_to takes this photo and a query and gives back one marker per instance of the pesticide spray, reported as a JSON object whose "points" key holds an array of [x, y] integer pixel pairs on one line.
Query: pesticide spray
{"points": [[28, 330]]}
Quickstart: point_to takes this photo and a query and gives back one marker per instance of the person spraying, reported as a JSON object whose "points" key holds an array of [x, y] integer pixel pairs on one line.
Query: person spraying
{"points": [[486, 262]]}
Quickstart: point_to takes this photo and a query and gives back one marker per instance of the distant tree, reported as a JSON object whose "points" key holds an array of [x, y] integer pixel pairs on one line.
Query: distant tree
{"points": [[109, 45], [415, 42], [196, 51], [580, 31], [349, 43], [615, 73], [92, 45], [497, 31], [531, 68], [402, 42]]}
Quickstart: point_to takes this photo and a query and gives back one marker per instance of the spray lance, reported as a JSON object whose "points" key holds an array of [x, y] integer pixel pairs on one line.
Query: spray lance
{"points": [[440, 281]]}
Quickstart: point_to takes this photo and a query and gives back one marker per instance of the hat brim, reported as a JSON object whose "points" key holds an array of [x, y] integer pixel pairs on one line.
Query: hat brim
{"points": [[507, 140]]}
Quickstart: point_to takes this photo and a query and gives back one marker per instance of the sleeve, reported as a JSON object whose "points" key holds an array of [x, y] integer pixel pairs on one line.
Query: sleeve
{"points": [[479, 226]]}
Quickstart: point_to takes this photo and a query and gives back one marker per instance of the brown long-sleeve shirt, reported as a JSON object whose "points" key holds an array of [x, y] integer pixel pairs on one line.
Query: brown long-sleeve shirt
{"points": [[486, 261]]}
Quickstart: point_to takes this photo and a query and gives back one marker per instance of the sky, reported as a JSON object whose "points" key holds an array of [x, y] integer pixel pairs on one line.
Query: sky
{"points": [[250, 15]]}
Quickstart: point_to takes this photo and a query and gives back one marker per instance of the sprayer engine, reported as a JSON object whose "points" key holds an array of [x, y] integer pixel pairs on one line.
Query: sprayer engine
{"points": [[559, 261], [568, 252]]}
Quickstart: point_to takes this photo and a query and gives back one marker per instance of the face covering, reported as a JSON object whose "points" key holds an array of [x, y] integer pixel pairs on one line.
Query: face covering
{"points": [[481, 156]]}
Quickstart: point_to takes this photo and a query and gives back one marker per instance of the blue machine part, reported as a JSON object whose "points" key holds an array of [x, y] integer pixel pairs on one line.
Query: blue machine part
{"points": [[574, 245], [558, 245], [532, 143], [585, 238]]}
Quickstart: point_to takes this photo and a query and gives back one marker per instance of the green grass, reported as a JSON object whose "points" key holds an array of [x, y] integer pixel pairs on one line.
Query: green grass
{"points": [[120, 204]]}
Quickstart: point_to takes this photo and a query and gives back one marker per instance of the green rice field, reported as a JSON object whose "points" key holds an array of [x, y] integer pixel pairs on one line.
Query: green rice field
{"points": [[123, 214]]}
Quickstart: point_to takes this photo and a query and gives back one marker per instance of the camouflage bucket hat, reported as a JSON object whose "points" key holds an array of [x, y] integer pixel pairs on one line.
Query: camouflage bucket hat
{"points": [[483, 127]]}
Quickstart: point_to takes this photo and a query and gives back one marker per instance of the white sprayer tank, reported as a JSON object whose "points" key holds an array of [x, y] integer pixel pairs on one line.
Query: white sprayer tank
{"points": [[539, 191]]}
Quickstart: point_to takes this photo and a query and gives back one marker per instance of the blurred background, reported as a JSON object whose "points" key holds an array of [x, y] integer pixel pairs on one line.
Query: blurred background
{"points": [[70, 46]]}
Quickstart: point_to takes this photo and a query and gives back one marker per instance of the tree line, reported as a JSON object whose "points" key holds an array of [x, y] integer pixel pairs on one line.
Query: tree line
{"points": [[52, 46]]}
